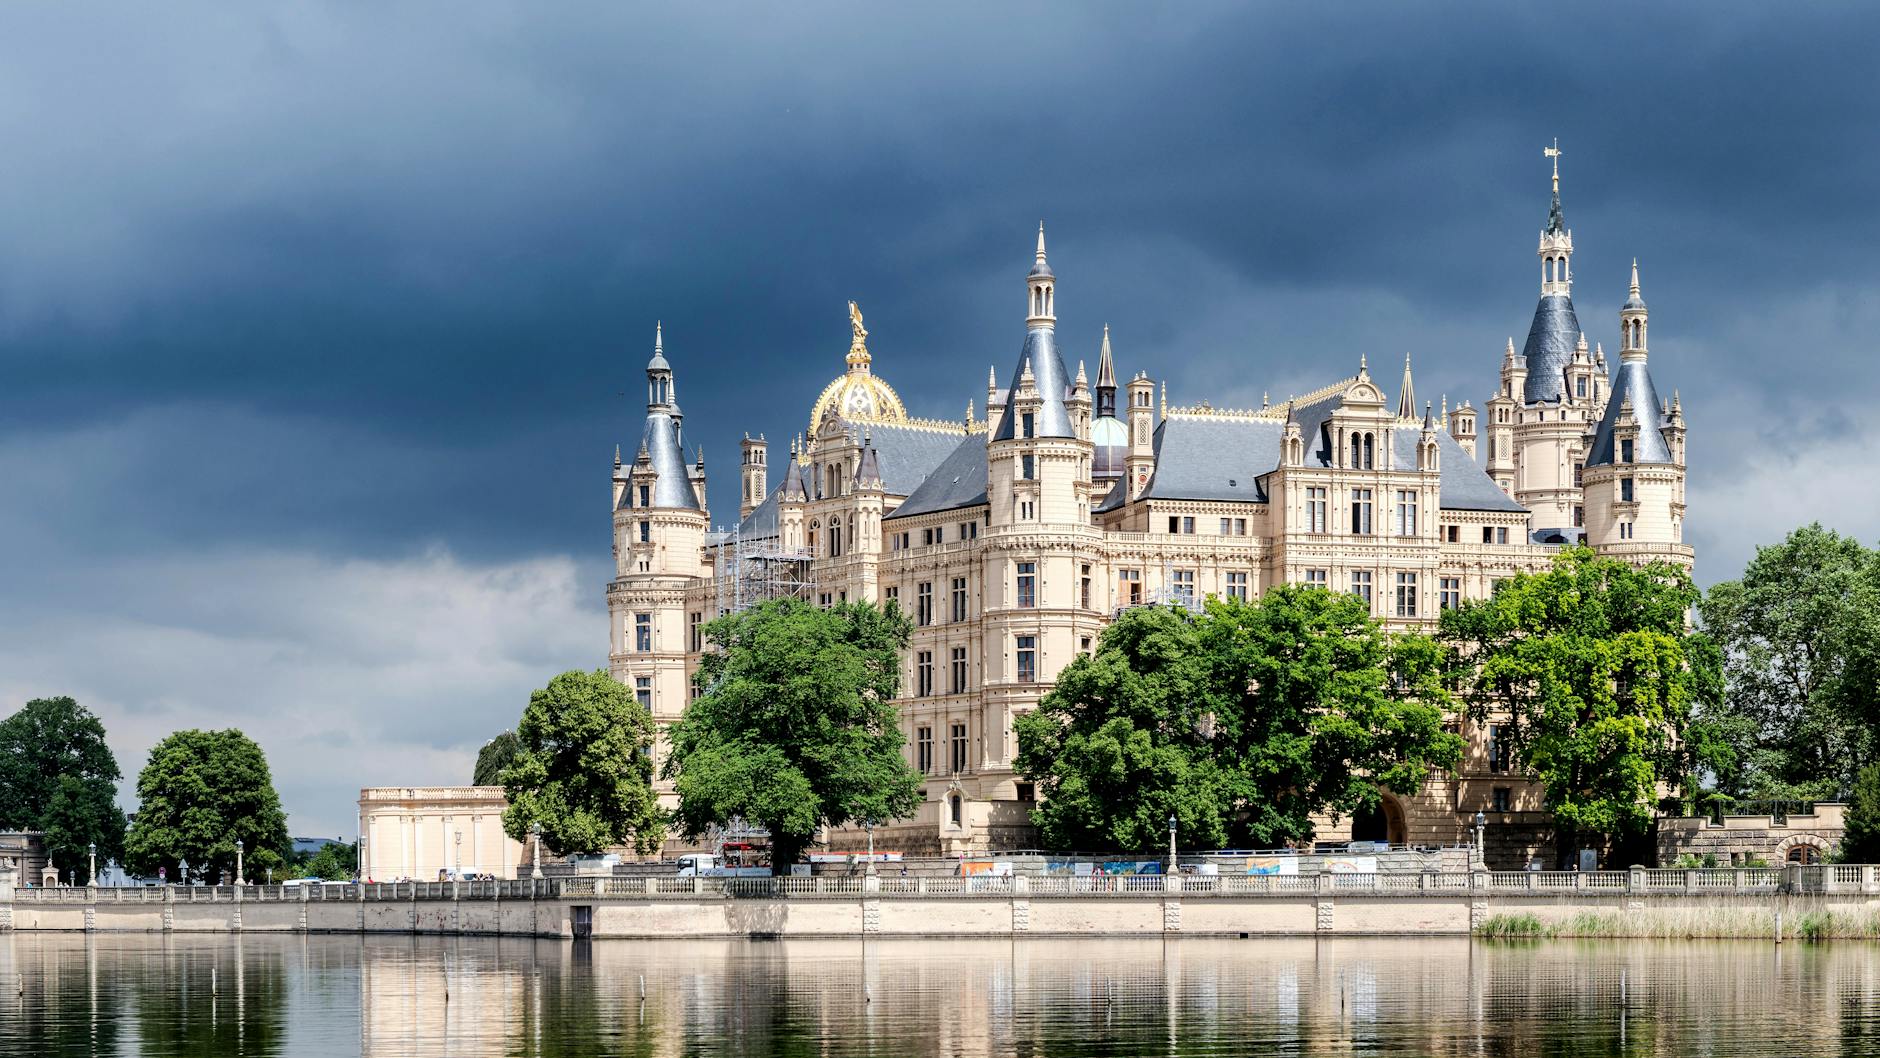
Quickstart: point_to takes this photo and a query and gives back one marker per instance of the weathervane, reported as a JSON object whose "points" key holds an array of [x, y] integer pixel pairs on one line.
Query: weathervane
{"points": [[1554, 152]]}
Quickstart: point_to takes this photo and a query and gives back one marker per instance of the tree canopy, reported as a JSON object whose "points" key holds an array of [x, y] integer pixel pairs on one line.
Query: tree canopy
{"points": [[583, 768], [794, 728], [1800, 636], [495, 755], [1242, 722], [57, 775], [1593, 672], [200, 792]]}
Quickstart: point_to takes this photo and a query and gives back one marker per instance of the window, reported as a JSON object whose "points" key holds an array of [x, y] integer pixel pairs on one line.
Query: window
{"points": [[1501, 534], [1406, 595], [894, 594], [1318, 577], [955, 808], [1452, 592], [1625, 451], [1500, 749], [1129, 587], [959, 748], [939, 534], [826, 600], [969, 530], [1488, 534], [1027, 659], [1083, 646], [1027, 585], [1452, 533], [646, 532], [923, 750], [1188, 526], [1315, 509], [1237, 586], [1625, 490], [926, 537], [1083, 587], [959, 599], [1026, 792], [1233, 527], [1406, 512], [644, 500], [1185, 586], [1174, 524], [1029, 421], [643, 632], [1503, 795], [1579, 475], [1027, 468], [1026, 510], [958, 671], [923, 604], [835, 538], [1361, 584], [1579, 517], [698, 636], [1625, 530], [1361, 512], [643, 691], [1579, 386], [923, 674]]}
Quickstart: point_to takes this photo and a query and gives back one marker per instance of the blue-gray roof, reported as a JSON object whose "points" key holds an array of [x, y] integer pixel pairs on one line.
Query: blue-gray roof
{"points": [[762, 521], [1047, 372], [672, 487], [1551, 340], [1635, 382], [959, 481], [907, 454]]}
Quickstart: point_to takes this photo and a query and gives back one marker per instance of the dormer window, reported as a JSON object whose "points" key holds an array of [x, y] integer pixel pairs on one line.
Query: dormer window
{"points": [[1027, 421], [1625, 451]]}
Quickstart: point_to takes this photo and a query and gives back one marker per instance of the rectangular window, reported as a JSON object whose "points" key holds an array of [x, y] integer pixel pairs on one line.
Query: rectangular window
{"points": [[1579, 386], [1027, 659], [1083, 587], [1188, 526], [1361, 512], [1174, 524], [1453, 533], [643, 632], [1406, 512], [1027, 468], [1185, 586], [1026, 792], [957, 662], [969, 530], [1579, 474], [1452, 593], [1406, 595], [1237, 586], [1315, 509], [926, 537], [1503, 796], [1026, 509], [1129, 587], [1029, 420], [698, 636], [1501, 534], [959, 599], [894, 594], [644, 498], [1083, 646], [959, 748], [1625, 490], [1361, 584], [923, 750], [826, 600], [643, 691], [1488, 534], [1027, 585], [1500, 752], [1240, 527], [923, 604], [1579, 517], [646, 532], [1625, 530], [1318, 577], [939, 534], [923, 674], [1625, 451]]}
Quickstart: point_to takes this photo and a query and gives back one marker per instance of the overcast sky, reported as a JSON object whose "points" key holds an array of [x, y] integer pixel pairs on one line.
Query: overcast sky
{"points": [[319, 323]]}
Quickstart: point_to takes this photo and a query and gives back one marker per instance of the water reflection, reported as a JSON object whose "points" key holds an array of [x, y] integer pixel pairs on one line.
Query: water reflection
{"points": [[128, 994]]}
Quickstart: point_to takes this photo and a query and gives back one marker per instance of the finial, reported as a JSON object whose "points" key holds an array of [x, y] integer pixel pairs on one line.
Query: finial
{"points": [[868, 437], [969, 411], [1264, 402], [1082, 379], [1510, 352], [1429, 420], [616, 455], [1041, 241], [1554, 152], [1165, 398], [1634, 277], [1407, 399], [992, 377], [701, 455], [858, 338], [659, 336]]}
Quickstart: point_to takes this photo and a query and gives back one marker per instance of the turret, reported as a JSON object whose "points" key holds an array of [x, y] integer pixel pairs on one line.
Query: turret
{"points": [[754, 473], [1462, 427], [1139, 465]]}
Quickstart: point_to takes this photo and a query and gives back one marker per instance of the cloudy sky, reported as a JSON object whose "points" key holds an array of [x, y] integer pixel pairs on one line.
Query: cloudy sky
{"points": [[318, 324]]}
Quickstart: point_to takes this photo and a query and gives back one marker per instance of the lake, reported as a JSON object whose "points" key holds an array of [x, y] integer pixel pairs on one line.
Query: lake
{"points": [[254, 994]]}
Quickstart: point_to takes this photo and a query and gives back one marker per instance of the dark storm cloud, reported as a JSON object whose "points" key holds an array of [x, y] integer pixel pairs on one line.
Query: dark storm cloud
{"points": [[341, 285]]}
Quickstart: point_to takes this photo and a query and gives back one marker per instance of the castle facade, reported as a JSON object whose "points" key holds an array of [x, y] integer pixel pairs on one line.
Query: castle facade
{"points": [[1012, 539]]}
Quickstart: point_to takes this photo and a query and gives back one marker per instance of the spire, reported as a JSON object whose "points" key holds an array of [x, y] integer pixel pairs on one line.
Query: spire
{"points": [[1081, 379], [1556, 221], [1039, 364], [1633, 322], [660, 445], [616, 455], [1042, 284], [1429, 418], [858, 341], [1407, 398]]}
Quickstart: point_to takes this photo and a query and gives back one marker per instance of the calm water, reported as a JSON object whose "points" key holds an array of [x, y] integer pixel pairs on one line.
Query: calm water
{"points": [[144, 994]]}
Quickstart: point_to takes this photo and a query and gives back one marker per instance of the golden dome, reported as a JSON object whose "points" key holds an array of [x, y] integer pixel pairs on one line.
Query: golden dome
{"points": [[857, 394]]}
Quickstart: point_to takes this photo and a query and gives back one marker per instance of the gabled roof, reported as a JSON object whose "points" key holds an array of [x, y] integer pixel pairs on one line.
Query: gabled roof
{"points": [[958, 482]]}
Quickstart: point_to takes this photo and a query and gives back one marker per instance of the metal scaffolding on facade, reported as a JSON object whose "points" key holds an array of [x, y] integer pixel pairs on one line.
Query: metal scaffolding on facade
{"points": [[746, 572]]}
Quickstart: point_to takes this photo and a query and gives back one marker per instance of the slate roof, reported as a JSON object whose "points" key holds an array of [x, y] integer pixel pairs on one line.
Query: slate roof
{"points": [[907, 454], [959, 481], [673, 487], [1634, 381], [1551, 339], [1053, 382]]}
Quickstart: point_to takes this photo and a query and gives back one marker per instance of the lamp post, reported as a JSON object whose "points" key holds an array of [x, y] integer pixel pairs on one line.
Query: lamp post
{"points": [[1481, 822], [183, 869], [459, 853], [91, 854], [535, 861], [238, 860], [869, 825], [1172, 868]]}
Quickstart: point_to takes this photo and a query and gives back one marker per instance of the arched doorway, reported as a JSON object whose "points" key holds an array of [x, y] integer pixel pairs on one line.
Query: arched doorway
{"points": [[1381, 822]]}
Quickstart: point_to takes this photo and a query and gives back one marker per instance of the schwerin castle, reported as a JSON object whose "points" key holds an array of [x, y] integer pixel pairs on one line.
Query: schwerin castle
{"points": [[1014, 539]]}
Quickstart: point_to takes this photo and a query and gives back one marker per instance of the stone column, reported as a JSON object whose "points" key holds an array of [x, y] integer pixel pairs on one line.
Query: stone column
{"points": [[1021, 904]]}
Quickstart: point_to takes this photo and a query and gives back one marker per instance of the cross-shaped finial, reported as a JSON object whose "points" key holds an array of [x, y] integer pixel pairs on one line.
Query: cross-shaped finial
{"points": [[1554, 152]]}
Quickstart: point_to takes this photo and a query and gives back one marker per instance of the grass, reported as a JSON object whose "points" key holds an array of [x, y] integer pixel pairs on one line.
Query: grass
{"points": [[1854, 922]]}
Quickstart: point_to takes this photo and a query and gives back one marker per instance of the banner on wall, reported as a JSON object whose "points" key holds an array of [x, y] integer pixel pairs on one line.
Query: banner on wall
{"points": [[1272, 865], [1351, 865]]}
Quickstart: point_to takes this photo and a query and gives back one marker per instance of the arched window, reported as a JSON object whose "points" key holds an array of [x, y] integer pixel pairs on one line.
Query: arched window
{"points": [[1370, 444], [1357, 452], [956, 809]]}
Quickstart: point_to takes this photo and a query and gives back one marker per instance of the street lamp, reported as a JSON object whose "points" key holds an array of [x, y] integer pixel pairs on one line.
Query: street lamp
{"points": [[238, 861], [869, 825], [460, 853], [1481, 821], [91, 853], [535, 862], [1172, 868]]}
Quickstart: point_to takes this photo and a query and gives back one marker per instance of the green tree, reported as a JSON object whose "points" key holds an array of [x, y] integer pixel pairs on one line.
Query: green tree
{"points": [[1241, 722], [1860, 843], [583, 769], [334, 861], [495, 755], [200, 792], [58, 775], [1798, 635], [1598, 675], [794, 728]]}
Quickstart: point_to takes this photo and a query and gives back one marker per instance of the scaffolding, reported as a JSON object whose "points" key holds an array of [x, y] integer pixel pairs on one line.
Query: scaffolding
{"points": [[746, 572]]}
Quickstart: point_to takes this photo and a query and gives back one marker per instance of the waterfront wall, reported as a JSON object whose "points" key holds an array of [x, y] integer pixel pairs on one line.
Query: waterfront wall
{"points": [[664, 908]]}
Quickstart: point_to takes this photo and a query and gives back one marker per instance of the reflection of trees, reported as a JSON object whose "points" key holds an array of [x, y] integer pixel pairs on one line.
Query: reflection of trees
{"points": [[68, 1007], [177, 1012]]}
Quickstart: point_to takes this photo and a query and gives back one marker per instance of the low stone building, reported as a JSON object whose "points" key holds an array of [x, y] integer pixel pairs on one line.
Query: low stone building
{"points": [[23, 852], [417, 832], [1736, 840]]}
